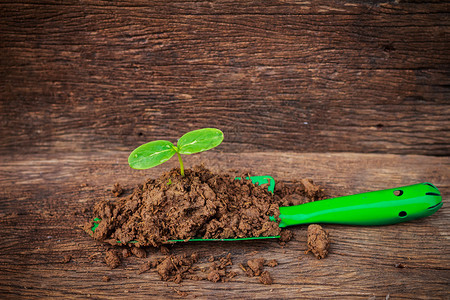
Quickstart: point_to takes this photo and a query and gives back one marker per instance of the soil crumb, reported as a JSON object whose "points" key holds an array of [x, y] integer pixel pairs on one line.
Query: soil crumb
{"points": [[219, 270], [94, 256], [144, 267], [180, 293], [106, 278], [399, 265], [272, 263], [285, 236], [200, 205], [139, 252], [265, 278], [126, 252], [151, 264], [175, 267], [67, 258], [112, 259], [318, 241], [117, 190], [164, 250], [255, 267]]}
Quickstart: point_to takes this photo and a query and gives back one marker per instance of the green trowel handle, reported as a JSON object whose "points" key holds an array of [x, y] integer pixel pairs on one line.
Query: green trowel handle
{"points": [[384, 207]]}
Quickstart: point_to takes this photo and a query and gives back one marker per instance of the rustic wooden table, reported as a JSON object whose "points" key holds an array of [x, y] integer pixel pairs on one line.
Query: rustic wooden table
{"points": [[44, 196], [352, 94]]}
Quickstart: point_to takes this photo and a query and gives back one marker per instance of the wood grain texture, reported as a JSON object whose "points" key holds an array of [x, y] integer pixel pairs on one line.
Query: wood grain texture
{"points": [[310, 76], [43, 197]]}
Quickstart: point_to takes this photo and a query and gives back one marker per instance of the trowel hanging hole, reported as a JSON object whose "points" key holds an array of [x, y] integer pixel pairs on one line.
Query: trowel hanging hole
{"points": [[398, 192], [402, 214]]}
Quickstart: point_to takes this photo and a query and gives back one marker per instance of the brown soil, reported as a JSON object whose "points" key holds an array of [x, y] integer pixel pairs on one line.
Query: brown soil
{"points": [[112, 258], [265, 278], [164, 250], [67, 258], [117, 190], [272, 263], [126, 252], [172, 267], [219, 271], [139, 252], [318, 241], [255, 267], [200, 205], [176, 268]]}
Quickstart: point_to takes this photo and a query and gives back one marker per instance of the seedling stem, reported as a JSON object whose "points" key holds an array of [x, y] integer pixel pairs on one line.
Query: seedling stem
{"points": [[181, 165]]}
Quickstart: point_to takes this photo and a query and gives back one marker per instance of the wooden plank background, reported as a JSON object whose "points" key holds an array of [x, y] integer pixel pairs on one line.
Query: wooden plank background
{"points": [[319, 76], [44, 197], [352, 94]]}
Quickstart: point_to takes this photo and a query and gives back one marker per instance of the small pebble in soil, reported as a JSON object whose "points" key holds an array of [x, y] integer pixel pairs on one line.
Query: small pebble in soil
{"points": [[106, 278], [400, 265], [318, 241]]}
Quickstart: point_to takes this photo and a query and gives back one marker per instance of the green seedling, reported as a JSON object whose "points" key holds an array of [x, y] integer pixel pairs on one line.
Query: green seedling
{"points": [[157, 152]]}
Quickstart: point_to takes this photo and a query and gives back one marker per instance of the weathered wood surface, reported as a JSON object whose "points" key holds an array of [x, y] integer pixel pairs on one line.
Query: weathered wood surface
{"points": [[310, 76], [43, 197]]}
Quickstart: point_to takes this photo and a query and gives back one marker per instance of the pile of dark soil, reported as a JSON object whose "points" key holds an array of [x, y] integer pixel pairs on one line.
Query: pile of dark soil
{"points": [[200, 205]]}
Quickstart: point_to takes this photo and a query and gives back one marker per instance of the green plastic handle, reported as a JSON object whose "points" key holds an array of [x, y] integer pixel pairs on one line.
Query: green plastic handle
{"points": [[384, 207]]}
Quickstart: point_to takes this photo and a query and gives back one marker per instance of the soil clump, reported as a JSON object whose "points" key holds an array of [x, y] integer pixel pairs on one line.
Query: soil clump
{"points": [[255, 268], [200, 205], [112, 258], [318, 241]]}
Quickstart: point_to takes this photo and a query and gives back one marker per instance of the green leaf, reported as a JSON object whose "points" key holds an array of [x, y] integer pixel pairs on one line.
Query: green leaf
{"points": [[199, 140], [151, 154]]}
